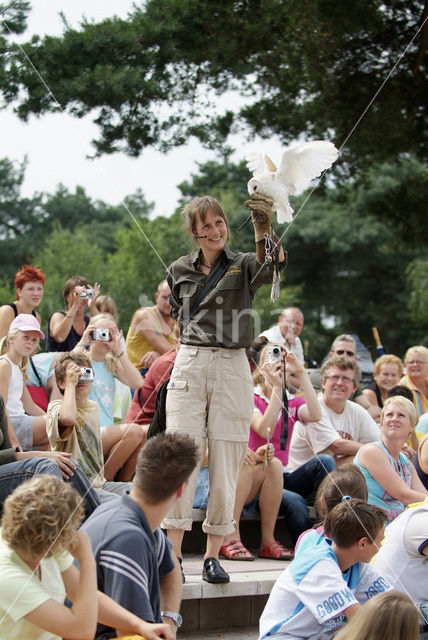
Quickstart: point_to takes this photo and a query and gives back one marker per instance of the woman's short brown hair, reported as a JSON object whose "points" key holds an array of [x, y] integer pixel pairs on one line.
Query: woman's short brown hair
{"points": [[74, 281], [199, 207], [41, 517]]}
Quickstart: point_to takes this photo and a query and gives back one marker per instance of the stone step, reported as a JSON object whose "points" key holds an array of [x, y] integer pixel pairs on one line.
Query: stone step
{"points": [[224, 606], [241, 633], [194, 541]]}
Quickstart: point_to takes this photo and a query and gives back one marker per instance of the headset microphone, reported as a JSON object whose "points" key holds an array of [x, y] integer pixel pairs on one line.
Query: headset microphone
{"points": [[200, 236]]}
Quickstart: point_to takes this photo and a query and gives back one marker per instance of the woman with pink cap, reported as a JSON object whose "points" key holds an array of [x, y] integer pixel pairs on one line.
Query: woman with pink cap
{"points": [[27, 422]]}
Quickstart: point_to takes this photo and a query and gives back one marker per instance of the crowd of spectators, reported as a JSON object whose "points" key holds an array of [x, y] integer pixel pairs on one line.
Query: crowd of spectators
{"points": [[273, 441]]}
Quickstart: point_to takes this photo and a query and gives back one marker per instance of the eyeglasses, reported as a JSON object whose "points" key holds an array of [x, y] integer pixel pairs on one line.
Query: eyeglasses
{"points": [[344, 379], [342, 352], [412, 362]]}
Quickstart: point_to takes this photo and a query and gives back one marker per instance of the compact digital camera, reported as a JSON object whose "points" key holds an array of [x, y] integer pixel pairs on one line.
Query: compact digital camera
{"points": [[101, 335], [87, 293], [275, 353], [86, 374]]}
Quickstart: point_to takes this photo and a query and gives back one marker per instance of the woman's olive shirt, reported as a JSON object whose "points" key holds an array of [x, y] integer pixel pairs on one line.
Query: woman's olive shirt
{"points": [[224, 317]]}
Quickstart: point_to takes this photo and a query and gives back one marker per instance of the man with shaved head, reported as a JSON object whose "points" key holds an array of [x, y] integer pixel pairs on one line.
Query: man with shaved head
{"points": [[287, 331], [150, 331]]}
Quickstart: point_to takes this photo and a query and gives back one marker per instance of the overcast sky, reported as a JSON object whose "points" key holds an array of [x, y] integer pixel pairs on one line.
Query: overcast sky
{"points": [[57, 144]]}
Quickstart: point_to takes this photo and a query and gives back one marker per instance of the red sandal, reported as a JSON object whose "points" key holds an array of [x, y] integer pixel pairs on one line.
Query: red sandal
{"points": [[276, 551], [230, 550]]}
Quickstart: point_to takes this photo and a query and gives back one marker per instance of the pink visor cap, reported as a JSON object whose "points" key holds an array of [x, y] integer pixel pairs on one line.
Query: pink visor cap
{"points": [[26, 322]]}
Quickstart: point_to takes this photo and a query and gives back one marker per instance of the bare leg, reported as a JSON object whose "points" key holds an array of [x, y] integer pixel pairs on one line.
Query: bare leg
{"points": [[213, 545], [270, 498], [120, 442], [243, 489], [40, 437], [126, 473], [175, 536]]}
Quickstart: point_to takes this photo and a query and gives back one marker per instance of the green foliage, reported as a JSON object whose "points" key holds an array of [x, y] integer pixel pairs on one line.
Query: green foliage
{"points": [[20, 218], [140, 261], [302, 66], [13, 17], [67, 253], [417, 275], [7, 292]]}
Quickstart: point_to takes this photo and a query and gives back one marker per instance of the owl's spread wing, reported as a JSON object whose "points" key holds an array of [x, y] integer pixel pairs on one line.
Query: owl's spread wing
{"points": [[302, 162], [259, 162]]}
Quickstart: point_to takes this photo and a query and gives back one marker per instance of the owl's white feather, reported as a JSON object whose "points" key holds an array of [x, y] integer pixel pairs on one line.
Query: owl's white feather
{"points": [[300, 163]]}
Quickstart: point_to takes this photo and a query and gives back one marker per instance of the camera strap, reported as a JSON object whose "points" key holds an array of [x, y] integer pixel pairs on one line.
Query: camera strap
{"points": [[210, 284], [283, 436]]}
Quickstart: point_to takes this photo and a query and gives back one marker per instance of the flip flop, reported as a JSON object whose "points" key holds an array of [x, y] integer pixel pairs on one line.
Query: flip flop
{"points": [[232, 548], [276, 551]]}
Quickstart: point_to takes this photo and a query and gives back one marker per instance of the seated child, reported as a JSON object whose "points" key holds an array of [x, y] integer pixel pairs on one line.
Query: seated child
{"points": [[73, 422], [348, 481], [113, 374], [39, 541], [27, 421], [327, 584], [18, 466]]}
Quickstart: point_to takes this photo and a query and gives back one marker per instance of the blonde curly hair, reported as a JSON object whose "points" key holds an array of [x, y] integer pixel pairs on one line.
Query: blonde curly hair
{"points": [[41, 517]]}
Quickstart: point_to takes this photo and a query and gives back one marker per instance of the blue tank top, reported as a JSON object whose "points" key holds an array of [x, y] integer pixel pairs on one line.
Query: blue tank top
{"points": [[377, 494]]}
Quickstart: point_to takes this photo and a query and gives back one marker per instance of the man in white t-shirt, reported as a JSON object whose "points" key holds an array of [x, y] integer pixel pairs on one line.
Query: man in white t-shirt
{"points": [[287, 331], [402, 558], [344, 426]]}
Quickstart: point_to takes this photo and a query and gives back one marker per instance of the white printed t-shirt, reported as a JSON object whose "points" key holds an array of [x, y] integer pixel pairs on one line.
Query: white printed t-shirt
{"points": [[354, 423], [21, 592], [311, 594], [400, 558]]}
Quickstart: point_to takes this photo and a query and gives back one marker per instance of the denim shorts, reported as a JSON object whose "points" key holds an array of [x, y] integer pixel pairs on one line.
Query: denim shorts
{"points": [[23, 427]]}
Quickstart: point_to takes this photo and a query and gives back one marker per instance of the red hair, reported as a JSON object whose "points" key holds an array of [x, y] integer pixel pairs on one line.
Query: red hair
{"points": [[28, 273]]}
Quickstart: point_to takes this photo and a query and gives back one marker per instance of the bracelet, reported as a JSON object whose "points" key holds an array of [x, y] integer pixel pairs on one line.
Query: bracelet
{"points": [[70, 317], [120, 354]]}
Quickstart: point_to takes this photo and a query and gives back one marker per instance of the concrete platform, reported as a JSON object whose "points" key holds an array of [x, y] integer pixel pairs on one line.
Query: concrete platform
{"points": [[244, 633], [208, 607]]}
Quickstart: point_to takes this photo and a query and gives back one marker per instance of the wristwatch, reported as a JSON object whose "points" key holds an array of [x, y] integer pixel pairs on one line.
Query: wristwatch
{"points": [[174, 616]]}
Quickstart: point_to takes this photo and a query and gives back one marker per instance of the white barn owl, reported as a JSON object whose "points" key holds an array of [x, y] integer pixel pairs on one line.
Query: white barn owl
{"points": [[300, 163]]}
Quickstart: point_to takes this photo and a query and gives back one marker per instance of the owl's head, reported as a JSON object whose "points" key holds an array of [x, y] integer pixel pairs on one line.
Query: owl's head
{"points": [[254, 186]]}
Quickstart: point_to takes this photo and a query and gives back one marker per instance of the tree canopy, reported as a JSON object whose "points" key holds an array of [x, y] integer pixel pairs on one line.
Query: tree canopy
{"points": [[299, 66]]}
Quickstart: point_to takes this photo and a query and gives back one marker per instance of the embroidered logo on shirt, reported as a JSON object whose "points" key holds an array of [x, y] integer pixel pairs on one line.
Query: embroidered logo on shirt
{"points": [[233, 270]]}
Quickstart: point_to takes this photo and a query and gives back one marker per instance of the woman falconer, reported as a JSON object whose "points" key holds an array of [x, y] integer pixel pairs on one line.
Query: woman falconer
{"points": [[210, 393]]}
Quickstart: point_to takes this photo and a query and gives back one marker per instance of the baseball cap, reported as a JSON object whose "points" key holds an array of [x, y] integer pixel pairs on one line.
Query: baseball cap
{"points": [[26, 322]]}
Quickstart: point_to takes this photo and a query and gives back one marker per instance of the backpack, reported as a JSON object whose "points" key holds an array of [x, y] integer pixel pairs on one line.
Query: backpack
{"points": [[158, 423]]}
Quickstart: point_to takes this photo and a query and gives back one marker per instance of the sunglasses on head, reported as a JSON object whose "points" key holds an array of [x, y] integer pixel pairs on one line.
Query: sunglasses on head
{"points": [[342, 352]]}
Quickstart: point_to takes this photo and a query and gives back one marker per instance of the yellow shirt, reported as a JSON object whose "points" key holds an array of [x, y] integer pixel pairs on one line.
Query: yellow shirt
{"points": [[420, 401], [137, 344]]}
